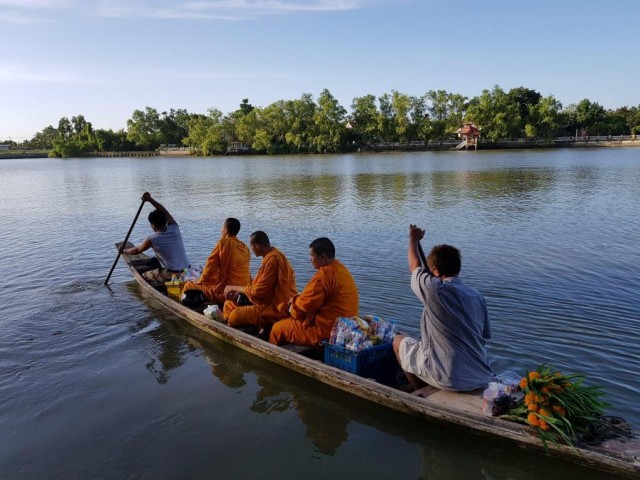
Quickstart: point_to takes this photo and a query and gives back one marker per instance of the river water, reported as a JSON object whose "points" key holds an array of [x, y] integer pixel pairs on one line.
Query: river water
{"points": [[99, 382]]}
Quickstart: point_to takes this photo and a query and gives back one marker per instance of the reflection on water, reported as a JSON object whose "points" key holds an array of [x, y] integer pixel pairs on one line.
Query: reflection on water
{"points": [[550, 238], [330, 418]]}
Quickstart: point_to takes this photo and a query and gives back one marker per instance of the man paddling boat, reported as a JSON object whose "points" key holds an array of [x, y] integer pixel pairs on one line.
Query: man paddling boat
{"points": [[451, 354], [166, 242]]}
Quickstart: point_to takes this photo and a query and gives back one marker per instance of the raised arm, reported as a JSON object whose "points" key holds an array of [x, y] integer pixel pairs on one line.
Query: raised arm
{"points": [[158, 206], [415, 235]]}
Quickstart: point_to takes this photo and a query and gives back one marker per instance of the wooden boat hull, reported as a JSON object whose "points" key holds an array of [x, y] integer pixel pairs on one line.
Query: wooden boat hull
{"points": [[619, 455]]}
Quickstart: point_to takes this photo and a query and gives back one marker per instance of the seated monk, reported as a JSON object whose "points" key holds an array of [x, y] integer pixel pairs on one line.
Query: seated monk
{"points": [[269, 292], [228, 264], [331, 293]]}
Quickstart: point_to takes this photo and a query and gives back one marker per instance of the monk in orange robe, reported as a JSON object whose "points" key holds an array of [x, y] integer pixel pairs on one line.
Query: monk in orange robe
{"points": [[228, 264], [269, 292], [331, 293]]}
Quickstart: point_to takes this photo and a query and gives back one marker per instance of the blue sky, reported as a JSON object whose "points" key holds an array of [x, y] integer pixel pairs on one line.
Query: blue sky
{"points": [[106, 58]]}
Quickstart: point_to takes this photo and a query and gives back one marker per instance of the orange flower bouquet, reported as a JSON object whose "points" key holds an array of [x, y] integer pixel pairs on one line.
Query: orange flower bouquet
{"points": [[558, 406]]}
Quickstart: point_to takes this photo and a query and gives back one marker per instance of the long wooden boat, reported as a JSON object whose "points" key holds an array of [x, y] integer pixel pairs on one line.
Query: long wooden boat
{"points": [[618, 455]]}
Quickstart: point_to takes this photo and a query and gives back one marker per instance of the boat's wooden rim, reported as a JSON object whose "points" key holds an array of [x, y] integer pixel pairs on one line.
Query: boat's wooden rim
{"points": [[620, 455]]}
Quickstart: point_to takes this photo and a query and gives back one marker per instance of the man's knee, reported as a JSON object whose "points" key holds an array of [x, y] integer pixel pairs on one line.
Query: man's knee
{"points": [[236, 318], [244, 317], [228, 308], [396, 344], [275, 334]]}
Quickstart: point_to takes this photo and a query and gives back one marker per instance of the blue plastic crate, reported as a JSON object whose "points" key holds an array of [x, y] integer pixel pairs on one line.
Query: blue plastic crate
{"points": [[377, 362]]}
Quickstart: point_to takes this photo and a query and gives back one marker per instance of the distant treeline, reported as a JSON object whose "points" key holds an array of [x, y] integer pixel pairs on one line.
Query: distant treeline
{"points": [[305, 125]]}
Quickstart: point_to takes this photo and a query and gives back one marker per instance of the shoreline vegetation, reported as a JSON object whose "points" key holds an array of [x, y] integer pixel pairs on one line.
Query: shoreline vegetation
{"points": [[519, 118]]}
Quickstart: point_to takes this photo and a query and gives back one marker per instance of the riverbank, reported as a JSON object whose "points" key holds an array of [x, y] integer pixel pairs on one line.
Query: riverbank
{"points": [[18, 154], [415, 146], [510, 144]]}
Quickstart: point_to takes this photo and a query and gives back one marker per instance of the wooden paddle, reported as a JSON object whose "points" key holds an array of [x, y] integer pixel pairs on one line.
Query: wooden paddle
{"points": [[423, 258], [106, 282]]}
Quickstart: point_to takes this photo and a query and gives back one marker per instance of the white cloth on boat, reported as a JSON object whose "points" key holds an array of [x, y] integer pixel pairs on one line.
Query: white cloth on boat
{"points": [[412, 360]]}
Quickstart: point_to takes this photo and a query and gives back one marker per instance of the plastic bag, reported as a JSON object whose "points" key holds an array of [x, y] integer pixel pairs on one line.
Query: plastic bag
{"points": [[193, 273], [213, 312], [509, 379], [496, 399], [355, 333]]}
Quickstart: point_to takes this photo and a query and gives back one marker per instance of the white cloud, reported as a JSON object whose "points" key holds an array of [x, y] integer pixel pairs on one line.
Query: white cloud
{"points": [[20, 19], [219, 9], [36, 4], [21, 74], [25, 12], [42, 74], [21, 11], [272, 6]]}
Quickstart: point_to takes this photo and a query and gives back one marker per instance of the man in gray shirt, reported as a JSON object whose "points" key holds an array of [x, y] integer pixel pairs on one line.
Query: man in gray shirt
{"points": [[166, 242], [451, 354]]}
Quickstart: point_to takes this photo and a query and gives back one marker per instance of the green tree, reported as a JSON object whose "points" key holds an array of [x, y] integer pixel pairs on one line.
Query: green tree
{"points": [[614, 123], [590, 116], [329, 121], [173, 126], [247, 126], [420, 118], [446, 113], [525, 101], [401, 106], [43, 139], [110, 141], [246, 107], [365, 118], [496, 114], [545, 117], [206, 133], [386, 118], [632, 118], [275, 123], [262, 141], [65, 130], [144, 130], [78, 124], [301, 121], [74, 138]]}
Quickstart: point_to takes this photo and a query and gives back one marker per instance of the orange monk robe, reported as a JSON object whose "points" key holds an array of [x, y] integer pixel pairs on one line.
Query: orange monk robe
{"points": [[228, 264], [270, 291], [330, 293]]}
